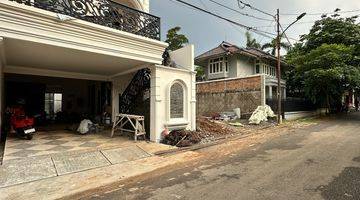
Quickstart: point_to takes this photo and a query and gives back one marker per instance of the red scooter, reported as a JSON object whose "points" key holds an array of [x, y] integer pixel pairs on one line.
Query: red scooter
{"points": [[22, 124]]}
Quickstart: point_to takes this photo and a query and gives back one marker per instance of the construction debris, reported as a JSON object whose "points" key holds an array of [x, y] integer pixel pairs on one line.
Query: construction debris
{"points": [[208, 127], [224, 116], [181, 138], [237, 111], [84, 126], [205, 129], [236, 124], [261, 114]]}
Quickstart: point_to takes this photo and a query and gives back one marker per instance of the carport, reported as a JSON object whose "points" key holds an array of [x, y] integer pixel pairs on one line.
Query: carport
{"points": [[63, 86]]}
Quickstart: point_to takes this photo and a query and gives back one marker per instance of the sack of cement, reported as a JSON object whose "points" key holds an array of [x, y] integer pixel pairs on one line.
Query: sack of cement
{"points": [[261, 114], [237, 111], [84, 126]]}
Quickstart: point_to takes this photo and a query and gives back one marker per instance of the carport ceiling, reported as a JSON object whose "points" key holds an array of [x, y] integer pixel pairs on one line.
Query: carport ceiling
{"points": [[35, 55]]}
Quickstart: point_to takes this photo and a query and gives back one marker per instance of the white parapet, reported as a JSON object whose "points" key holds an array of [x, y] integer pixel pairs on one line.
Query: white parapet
{"points": [[162, 79], [184, 57]]}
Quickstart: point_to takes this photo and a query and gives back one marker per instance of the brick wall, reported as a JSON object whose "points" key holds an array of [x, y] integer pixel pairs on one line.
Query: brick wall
{"points": [[225, 95]]}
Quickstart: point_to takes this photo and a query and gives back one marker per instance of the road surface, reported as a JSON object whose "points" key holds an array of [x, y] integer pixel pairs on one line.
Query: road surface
{"points": [[316, 162]]}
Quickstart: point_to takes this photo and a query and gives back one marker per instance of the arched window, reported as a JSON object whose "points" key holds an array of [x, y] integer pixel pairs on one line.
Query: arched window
{"points": [[176, 101]]}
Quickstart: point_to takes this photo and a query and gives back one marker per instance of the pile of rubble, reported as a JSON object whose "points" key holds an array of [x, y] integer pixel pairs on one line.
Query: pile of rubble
{"points": [[206, 130], [181, 138], [207, 127]]}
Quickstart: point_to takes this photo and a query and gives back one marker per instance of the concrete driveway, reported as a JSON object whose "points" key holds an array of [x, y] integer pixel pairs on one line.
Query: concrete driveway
{"points": [[316, 162]]}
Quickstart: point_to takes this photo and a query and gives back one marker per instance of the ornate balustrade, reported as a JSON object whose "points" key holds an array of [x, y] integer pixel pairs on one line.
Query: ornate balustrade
{"points": [[103, 12]]}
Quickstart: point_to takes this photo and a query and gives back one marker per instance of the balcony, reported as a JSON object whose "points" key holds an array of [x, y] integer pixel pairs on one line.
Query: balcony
{"points": [[105, 13]]}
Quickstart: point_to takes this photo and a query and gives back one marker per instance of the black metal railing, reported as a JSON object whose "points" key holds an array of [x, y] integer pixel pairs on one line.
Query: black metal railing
{"points": [[103, 12], [291, 104]]}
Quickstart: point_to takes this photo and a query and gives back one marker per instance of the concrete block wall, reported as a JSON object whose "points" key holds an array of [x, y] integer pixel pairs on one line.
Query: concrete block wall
{"points": [[225, 95]]}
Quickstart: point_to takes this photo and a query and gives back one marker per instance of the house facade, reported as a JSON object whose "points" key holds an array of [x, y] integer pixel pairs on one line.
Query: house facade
{"points": [[84, 58], [227, 64]]}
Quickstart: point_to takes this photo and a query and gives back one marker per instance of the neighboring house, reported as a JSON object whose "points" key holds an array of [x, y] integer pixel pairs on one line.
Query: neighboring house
{"points": [[84, 57], [250, 72]]}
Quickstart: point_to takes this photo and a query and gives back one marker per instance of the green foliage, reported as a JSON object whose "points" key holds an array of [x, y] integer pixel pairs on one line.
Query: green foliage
{"points": [[326, 61], [200, 73], [271, 46], [175, 40], [251, 42], [332, 30]]}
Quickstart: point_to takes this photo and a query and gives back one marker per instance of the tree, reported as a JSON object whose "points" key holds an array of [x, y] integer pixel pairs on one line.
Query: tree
{"points": [[326, 62], [272, 46], [175, 40], [326, 73], [200, 73], [251, 42]]}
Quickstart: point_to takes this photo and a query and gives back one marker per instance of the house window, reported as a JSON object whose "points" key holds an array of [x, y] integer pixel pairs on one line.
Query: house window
{"points": [[53, 104], [257, 67], [176, 101], [218, 65], [226, 65]]}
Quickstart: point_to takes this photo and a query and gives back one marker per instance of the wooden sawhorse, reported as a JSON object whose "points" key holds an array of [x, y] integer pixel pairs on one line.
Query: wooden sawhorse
{"points": [[136, 121]]}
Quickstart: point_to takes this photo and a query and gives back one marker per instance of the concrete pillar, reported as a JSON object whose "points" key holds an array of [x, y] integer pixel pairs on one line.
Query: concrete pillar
{"points": [[114, 101], [155, 107], [270, 92], [263, 92], [119, 84], [193, 101]]}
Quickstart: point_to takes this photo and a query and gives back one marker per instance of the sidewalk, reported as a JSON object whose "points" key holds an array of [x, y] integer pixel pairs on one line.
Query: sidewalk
{"points": [[55, 176]]}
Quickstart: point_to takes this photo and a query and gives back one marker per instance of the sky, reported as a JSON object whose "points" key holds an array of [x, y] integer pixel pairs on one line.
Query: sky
{"points": [[207, 32]]}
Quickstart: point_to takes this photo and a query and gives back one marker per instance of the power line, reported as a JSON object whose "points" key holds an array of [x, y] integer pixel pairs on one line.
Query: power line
{"points": [[324, 13], [241, 13], [203, 4], [253, 8], [309, 22], [262, 38], [226, 19]]}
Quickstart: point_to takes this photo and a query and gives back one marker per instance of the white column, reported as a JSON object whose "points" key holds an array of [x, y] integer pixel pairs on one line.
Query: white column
{"points": [[262, 90], [284, 95], [193, 101], [270, 92], [156, 116], [114, 100]]}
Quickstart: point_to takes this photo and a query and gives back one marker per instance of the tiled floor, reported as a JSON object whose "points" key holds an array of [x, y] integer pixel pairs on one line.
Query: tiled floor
{"points": [[53, 142]]}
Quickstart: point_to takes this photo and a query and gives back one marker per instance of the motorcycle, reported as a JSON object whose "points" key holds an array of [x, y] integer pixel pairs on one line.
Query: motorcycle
{"points": [[22, 124]]}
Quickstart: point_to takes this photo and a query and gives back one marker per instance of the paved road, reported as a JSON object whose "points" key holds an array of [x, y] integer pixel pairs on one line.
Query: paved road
{"points": [[317, 162]]}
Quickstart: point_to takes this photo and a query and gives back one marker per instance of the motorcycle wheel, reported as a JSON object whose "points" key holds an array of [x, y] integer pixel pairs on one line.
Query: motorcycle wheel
{"points": [[29, 136]]}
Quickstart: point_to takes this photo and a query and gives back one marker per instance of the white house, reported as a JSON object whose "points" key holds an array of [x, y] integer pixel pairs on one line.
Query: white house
{"points": [[236, 77], [229, 61], [80, 56]]}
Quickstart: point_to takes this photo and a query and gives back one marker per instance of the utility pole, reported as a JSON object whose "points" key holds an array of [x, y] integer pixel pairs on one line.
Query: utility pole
{"points": [[278, 68]]}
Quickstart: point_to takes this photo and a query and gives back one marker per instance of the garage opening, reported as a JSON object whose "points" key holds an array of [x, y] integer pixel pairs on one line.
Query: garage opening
{"points": [[58, 105], [59, 101]]}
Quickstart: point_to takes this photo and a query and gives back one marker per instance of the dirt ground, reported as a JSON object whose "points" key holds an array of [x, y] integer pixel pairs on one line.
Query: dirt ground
{"points": [[209, 131]]}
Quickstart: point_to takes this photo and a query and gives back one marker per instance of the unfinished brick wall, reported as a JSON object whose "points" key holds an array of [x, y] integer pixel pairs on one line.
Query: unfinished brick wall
{"points": [[225, 95]]}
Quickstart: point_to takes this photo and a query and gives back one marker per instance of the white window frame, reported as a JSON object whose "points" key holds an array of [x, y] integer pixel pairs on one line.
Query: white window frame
{"points": [[218, 65], [257, 65]]}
